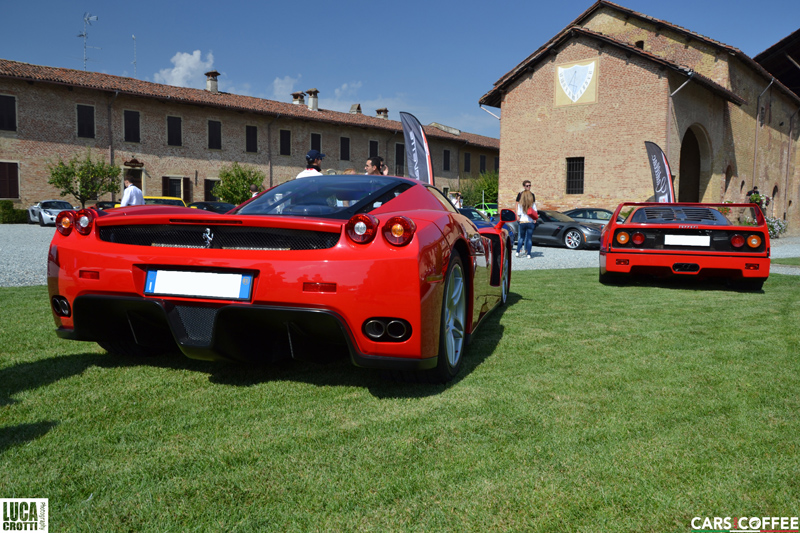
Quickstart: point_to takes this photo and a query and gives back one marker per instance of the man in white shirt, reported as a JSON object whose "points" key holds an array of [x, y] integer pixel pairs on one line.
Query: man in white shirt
{"points": [[133, 195], [313, 162]]}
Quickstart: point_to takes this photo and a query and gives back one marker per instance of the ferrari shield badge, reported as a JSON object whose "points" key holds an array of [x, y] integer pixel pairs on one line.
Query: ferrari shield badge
{"points": [[575, 80]]}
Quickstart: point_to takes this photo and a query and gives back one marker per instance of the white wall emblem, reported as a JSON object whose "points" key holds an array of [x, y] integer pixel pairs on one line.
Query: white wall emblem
{"points": [[575, 80]]}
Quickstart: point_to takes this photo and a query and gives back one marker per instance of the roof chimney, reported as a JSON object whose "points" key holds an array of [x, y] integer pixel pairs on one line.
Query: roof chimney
{"points": [[211, 82], [355, 109], [382, 112], [298, 98], [313, 100]]}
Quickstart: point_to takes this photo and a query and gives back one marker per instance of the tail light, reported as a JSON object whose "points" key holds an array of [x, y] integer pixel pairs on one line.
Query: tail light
{"points": [[64, 222], [753, 241], [83, 221], [362, 228], [623, 237], [399, 230], [737, 241], [638, 238]]}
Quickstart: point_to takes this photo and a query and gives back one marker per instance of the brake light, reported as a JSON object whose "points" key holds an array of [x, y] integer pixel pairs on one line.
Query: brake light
{"points": [[638, 238], [753, 241], [362, 228], [623, 237], [64, 222], [399, 230], [83, 221], [737, 241]]}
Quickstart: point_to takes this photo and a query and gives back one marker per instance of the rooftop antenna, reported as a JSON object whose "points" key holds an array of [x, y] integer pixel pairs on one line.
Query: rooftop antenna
{"points": [[134, 55], [87, 20]]}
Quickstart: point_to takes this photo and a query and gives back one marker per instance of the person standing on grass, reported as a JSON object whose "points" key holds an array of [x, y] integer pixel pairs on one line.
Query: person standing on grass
{"points": [[526, 213]]}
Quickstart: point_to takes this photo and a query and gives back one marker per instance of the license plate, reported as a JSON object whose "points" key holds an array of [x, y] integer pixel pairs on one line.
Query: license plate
{"points": [[687, 240], [198, 284]]}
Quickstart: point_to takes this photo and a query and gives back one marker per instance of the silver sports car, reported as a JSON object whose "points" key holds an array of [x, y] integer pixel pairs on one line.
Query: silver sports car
{"points": [[45, 212]]}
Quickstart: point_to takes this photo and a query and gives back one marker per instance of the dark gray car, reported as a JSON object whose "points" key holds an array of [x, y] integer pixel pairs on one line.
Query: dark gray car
{"points": [[558, 229]]}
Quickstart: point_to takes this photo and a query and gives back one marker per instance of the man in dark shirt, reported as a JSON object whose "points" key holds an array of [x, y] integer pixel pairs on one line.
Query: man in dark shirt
{"points": [[526, 186]]}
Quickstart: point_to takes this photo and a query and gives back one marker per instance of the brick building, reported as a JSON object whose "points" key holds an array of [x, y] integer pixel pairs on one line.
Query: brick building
{"points": [[576, 114], [173, 140]]}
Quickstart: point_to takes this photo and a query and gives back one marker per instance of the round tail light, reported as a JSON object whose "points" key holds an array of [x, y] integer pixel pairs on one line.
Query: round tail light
{"points": [[623, 237], [399, 230], [361, 229], [64, 222], [754, 241], [638, 238], [737, 241], [83, 221]]}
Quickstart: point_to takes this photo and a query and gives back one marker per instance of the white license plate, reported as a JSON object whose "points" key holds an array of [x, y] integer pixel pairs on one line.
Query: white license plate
{"points": [[198, 284], [687, 240]]}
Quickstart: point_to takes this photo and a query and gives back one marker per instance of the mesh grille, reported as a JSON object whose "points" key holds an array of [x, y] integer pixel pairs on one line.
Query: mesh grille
{"points": [[687, 214], [224, 237], [198, 322]]}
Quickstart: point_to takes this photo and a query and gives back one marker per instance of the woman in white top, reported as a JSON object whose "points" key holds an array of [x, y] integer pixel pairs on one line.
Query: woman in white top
{"points": [[527, 222]]}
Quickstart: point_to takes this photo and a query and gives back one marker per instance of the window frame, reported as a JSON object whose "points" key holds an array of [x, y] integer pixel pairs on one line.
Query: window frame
{"points": [[316, 142], [81, 125], [468, 162], [446, 160], [376, 152], [344, 148], [285, 142], [176, 122], [6, 180], [126, 126], [481, 163], [214, 132], [575, 176], [247, 140], [400, 159], [11, 118]]}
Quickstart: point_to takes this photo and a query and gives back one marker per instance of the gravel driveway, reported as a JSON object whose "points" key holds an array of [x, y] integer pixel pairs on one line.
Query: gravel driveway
{"points": [[23, 255]]}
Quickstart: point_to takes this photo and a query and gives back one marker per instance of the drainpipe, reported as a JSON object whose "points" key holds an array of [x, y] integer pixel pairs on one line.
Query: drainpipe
{"points": [[788, 158], [111, 136], [755, 144], [669, 112], [269, 147]]}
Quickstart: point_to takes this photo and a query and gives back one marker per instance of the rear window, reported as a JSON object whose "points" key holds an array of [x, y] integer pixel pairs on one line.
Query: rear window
{"points": [[672, 215], [338, 197]]}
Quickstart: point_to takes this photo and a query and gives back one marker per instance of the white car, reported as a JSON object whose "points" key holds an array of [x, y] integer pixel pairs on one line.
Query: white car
{"points": [[45, 212]]}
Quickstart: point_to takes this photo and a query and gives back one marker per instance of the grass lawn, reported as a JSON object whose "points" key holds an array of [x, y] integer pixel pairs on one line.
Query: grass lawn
{"points": [[787, 261], [582, 408]]}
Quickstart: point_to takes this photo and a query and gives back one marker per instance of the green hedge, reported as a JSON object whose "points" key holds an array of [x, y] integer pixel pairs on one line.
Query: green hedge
{"points": [[9, 215]]}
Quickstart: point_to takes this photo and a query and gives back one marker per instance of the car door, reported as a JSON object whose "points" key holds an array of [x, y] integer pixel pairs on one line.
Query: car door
{"points": [[547, 230]]}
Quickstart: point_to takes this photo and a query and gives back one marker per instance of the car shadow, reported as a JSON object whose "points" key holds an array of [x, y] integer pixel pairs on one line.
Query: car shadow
{"points": [[23, 433], [683, 284]]}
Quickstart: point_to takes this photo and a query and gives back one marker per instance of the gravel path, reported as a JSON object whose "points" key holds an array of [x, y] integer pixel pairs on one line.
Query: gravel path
{"points": [[23, 255]]}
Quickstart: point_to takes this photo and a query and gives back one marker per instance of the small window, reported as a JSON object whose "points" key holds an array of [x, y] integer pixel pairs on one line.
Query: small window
{"points": [[446, 161], [497, 164], [9, 180], [482, 163], [86, 121], [467, 162], [286, 142], [373, 148], [344, 148], [251, 139], [316, 142], [8, 113], [132, 134], [174, 136], [399, 159], [214, 135], [574, 175], [208, 190]]}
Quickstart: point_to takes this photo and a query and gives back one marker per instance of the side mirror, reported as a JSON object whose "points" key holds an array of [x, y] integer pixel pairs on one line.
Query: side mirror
{"points": [[508, 215]]}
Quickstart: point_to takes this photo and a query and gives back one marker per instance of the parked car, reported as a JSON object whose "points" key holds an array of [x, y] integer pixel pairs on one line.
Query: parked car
{"points": [[483, 221], [688, 240], [160, 200], [44, 213], [217, 207], [489, 209], [556, 228], [592, 214], [105, 205], [397, 279]]}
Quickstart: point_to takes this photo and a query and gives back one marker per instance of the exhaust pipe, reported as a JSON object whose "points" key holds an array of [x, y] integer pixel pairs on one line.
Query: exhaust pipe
{"points": [[396, 329], [374, 329]]}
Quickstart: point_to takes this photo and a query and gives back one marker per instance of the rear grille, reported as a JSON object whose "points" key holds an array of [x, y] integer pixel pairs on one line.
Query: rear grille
{"points": [[219, 237], [680, 214], [198, 324]]}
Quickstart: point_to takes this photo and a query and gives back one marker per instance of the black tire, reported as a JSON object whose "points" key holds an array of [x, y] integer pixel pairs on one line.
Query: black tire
{"points": [[453, 326], [129, 349], [573, 239], [30, 219], [41, 220], [505, 277]]}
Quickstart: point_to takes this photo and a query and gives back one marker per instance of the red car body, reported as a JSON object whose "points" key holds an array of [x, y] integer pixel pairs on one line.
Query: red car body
{"points": [[355, 264], [689, 240]]}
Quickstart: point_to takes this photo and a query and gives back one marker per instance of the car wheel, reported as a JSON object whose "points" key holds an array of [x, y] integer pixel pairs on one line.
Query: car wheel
{"points": [[453, 327], [31, 220], [41, 220], [129, 349], [573, 239], [505, 280]]}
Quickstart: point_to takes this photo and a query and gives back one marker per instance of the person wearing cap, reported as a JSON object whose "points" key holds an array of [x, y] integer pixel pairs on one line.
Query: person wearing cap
{"points": [[313, 162]]}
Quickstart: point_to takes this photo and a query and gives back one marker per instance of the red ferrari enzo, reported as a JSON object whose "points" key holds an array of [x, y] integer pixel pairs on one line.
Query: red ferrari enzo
{"points": [[383, 269], [687, 239]]}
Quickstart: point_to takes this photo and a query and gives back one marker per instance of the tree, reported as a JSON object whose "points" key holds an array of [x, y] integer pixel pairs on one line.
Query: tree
{"points": [[486, 186], [84, 179], [235, 181]]}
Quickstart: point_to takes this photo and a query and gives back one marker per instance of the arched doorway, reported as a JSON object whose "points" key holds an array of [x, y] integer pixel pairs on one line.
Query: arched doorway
{"points": [[689, 182]]}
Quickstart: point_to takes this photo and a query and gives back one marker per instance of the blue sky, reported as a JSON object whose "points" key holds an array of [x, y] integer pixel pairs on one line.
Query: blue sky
{"points": [[432, 58]]}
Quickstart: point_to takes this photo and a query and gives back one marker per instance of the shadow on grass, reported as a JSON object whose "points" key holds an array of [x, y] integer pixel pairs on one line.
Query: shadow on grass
{"points": [[20, 434], [338, 372], [683, 283]]}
